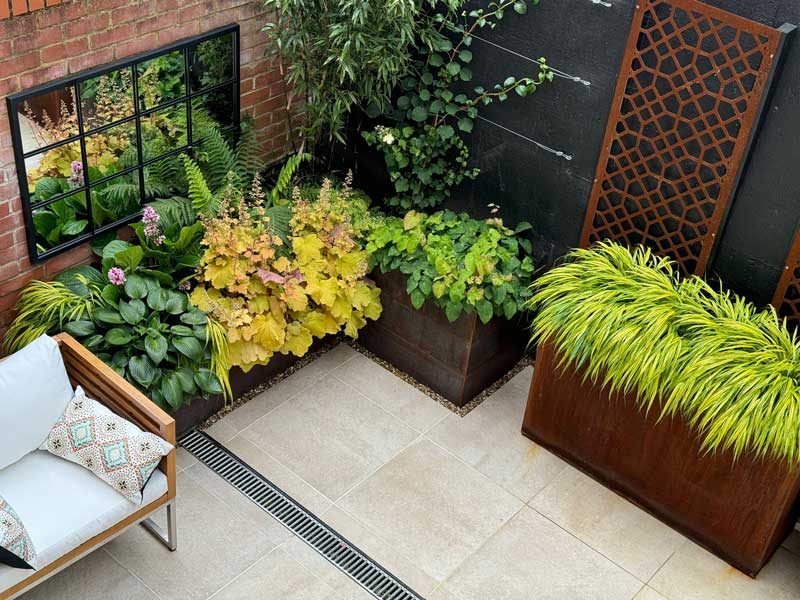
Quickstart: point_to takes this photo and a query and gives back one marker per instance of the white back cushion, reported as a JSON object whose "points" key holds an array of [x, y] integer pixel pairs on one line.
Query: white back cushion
{"points": [[34, 391]]}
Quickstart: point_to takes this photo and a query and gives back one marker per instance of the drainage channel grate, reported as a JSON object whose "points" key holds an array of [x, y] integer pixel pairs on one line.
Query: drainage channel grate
{"points": [[297, 519]]}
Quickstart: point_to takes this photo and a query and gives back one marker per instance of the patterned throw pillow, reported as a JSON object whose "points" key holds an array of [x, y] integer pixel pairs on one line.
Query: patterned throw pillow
{"points": [[16, 547], [114, 449]]}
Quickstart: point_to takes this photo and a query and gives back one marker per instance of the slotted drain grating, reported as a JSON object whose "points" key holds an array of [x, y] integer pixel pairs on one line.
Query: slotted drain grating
{"points": [[297, 519]]}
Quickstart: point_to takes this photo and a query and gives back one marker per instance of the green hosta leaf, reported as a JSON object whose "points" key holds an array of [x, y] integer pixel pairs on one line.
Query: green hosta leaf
{"points": [[120, 359], [190, 347], [133, 311], [186, 378], [194, 317], [181, 330], [113, 247], [130, 258], [171, 390], [417, 299], [155, 299], [93, 341], [111, 293], [156, 347], [136, 286], [176, 303], [80, 328], [117, 337], [108, 316], [207, 381], [465, 124], [74, 227]]}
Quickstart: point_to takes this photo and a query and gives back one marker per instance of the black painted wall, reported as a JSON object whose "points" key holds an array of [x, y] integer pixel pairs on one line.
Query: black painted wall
{"points": [[587, 39]]}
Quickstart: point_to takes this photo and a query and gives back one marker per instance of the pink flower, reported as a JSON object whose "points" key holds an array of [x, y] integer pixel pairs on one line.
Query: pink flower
{"points": [[150, 215], [116, 276], [267, 276], [76, 170]]}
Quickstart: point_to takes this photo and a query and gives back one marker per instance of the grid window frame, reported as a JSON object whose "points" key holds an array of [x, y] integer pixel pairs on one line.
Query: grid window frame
{"points": [[73, 85]]}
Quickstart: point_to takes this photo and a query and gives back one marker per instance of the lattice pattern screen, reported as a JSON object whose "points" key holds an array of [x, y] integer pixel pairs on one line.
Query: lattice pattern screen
{"points": [[787, 295], [688, 94]]}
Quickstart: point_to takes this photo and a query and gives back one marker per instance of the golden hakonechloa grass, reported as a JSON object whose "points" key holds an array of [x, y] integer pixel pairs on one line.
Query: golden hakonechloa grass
{"points": [[628, 319]]}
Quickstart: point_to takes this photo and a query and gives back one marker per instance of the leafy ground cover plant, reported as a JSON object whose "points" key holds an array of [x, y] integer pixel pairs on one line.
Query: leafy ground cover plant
{"points": [[634, 325], [424, 148], [459, 263], [273, 295]]}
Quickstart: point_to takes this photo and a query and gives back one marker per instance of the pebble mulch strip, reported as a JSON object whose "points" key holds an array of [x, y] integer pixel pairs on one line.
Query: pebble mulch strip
{"points": [[461, 411]]}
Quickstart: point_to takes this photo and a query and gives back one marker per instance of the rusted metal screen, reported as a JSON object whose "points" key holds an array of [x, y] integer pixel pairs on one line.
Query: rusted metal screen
{"points": [[787, 295], [689, 93]]}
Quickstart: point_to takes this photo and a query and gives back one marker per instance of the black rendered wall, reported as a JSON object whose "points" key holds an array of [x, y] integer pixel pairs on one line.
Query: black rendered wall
{"points": [[586, 39]]}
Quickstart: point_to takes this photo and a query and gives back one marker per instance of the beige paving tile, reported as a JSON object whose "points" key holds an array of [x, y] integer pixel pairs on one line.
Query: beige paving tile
{"points": [[792, 543], [648, 593], [280, 475], [277, 576], [695, 574], [489, 439], [531, 558], [380, 550], [269, 399], [435, 509], [330, 435], [608, 523], [222, 431], [391, 393], [96, 577], [215, 544], [184, 459]]}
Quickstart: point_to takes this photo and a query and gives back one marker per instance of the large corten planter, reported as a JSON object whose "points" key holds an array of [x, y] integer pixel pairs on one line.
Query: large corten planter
{"points": [[458, 360], [739, 510]]}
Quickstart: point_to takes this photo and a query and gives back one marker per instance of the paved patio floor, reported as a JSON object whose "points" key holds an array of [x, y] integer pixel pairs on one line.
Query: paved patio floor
{"points": [[459, 508]]}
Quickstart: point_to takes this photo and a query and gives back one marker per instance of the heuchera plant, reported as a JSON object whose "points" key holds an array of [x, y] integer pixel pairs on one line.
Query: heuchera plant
{"points": [[461, 264], [273, 298]]}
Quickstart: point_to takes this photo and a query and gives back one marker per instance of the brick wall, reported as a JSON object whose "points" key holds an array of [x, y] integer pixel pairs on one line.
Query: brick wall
{"points": [[79, 34]]}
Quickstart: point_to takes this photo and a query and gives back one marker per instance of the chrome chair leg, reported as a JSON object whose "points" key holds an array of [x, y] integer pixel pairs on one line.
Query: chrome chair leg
{"points": [[169, 537]]}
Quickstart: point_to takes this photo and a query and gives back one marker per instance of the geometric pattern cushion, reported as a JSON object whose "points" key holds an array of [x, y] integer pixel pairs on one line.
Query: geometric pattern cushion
{"points": [[111, 447], [16, 547]]}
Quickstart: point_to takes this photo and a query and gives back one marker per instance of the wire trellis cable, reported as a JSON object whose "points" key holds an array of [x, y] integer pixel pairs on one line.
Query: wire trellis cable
{"points": [[556, 72], [559, 153]]}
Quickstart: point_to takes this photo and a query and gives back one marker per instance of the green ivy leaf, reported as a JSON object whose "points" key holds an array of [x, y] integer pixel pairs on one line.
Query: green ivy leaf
{"points": [[419, 114], [446, 132], [465, 56], [453, 68], [465, 124], [436, 60]]}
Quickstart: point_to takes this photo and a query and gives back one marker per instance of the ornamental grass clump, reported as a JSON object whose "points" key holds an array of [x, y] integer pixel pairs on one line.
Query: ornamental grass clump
{"points": [[633, 325]]}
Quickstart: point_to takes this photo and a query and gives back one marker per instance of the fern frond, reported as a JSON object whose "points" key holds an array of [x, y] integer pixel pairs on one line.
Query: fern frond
{"points": [[175, 211], [203, 201], [280, 218], [249, 156], [218, 159], [286, 175]]}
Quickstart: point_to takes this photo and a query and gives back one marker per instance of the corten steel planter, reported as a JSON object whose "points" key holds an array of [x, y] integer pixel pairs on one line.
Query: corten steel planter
{"points": [[458, 360], [741, 511]]}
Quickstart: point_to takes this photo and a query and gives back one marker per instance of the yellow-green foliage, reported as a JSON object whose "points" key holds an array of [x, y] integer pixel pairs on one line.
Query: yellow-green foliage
{"points": [[270, 298], [731, 370], [103, 151]]}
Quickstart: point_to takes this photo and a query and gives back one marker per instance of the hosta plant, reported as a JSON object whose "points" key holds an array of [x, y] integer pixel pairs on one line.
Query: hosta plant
{"points": [[276, 297], [682, 347], [459, 263]]}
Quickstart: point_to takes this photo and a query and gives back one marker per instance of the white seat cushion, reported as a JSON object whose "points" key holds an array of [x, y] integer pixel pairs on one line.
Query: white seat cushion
{"points": [[34, 391], [63, 505]]}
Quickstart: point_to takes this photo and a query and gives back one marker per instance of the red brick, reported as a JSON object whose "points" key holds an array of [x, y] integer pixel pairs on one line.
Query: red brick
{"points": [[9, 85], [166, 36], [14, 284], [127, 13], [93, 59], [20, 64], [136, 45], [55, 265], [191, 13], [7, 240], [112, 36], [58, 16], [101, 5], [87, 25], [161, 21], [67, 50]]}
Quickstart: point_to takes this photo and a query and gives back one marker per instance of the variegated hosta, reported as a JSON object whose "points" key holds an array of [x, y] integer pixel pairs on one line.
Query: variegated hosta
{"points": [[272, 298]]}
